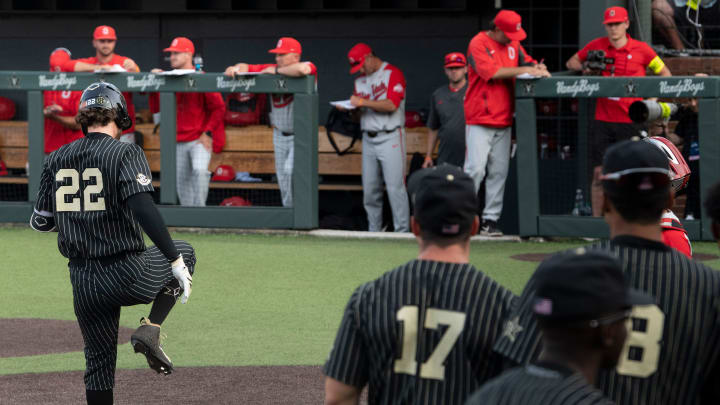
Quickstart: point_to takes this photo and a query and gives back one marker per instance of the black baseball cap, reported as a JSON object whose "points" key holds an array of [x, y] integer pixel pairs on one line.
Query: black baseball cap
{"points": [[583, 284], [635, 166], [444, 199]]}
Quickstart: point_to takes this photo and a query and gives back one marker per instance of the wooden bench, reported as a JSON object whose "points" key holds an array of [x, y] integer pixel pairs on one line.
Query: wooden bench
{"points": [[248, 149]]}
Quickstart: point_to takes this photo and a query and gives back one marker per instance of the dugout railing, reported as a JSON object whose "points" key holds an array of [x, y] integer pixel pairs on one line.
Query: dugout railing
{"points": [[303, 214], [531, 221]]}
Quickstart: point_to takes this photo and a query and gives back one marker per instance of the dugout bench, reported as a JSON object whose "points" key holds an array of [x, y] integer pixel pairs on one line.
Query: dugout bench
{"points": [[247, 149]]}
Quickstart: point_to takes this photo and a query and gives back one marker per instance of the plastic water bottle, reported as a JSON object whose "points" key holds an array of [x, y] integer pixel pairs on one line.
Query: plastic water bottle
{"points": [[579, 203], [198, 62]]}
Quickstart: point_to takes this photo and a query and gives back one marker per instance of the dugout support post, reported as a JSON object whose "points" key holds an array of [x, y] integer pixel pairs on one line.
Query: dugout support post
{"points": [[709, 141], [527, 167], [168, 142]]}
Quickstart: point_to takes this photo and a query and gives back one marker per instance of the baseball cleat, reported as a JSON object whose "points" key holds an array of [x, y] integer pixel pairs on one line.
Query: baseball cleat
{"points": [[146, 340]]}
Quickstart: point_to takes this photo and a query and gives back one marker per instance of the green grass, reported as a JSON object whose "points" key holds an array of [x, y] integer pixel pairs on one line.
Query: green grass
{"points": [[257, 300]]}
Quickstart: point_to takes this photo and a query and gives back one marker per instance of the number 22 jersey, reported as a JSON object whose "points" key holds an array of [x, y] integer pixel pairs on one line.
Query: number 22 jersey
{"points": [[84, 185], [672, 354]]}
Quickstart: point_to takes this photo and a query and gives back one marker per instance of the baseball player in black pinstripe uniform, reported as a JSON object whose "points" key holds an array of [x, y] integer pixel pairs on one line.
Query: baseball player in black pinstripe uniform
{"points": [[95, 192], [581, 306], [423, 333], [672, 353]]}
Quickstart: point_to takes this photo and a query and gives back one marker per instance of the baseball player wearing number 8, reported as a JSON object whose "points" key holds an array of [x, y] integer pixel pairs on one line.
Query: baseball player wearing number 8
{"points": [[423, 333], [95, 192], [672, 348]]}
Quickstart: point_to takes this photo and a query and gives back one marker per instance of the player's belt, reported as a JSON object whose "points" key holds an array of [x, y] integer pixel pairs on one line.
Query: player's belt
{"points": [[103, 261], [287, 133], [373, 134]]}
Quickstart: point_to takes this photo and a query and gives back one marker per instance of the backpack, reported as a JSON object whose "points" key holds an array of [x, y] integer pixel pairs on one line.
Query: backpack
{"points": [[244, 109], [343, 123]]}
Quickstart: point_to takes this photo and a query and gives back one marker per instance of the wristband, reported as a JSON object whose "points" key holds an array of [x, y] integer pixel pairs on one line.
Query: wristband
{"points": [[428, 158]]}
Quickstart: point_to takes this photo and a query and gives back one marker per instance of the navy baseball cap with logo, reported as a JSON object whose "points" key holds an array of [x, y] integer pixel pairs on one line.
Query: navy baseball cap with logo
{"points": [[444, 200], [635, 166], [582, 284]]}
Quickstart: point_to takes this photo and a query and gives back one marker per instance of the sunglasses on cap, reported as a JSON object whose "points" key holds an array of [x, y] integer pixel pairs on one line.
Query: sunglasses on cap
{"points": [[642, 178], [606, 320], [61, 49]]}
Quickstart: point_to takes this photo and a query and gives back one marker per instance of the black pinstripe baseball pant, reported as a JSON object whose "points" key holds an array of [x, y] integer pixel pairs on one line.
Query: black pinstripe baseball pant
{"points": [[99, 290]]}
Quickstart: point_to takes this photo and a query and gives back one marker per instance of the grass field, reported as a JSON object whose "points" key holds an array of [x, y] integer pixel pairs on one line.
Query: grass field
{"points": [[257, 300]]}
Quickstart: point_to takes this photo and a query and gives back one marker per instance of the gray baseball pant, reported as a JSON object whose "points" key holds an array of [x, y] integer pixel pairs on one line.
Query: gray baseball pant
{"points": [[488, 152], [193, 176], [284, 147], [383, 160]]}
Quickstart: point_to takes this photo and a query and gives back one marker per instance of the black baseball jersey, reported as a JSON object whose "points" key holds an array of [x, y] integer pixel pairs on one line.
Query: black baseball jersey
{"points": [[546, 384], [422, 333], [672, 349], [83, 187]]}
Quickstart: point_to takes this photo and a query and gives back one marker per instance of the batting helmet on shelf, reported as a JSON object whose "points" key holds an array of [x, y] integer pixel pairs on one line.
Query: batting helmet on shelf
{"points": [[106, 96], [7, 109], [678, 165]]}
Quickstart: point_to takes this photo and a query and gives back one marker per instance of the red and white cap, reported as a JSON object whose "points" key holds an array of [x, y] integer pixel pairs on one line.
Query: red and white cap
{"points": [[104, 32], [287, 45], [455, 59], [224, 173], [615, 15], [58, 57], [357, 55], [180, 44], [510, 23]]}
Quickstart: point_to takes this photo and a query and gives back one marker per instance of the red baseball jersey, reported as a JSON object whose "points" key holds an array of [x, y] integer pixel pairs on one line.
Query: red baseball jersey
{"points": [[196, 114], [490, 102], [57, 135], [674, 235], [116, 59], [630, 60], [282, 104]]}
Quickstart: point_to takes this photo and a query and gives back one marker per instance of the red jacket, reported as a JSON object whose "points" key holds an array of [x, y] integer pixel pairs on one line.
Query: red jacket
{"points": [[57, 135], [630, 60], [197, 113], [490, 102], [69, 66]]}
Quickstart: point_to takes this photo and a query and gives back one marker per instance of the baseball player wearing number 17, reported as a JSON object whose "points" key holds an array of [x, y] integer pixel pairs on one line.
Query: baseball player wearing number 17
{"points": [[672, 350], [95, 193], [423, 333]]}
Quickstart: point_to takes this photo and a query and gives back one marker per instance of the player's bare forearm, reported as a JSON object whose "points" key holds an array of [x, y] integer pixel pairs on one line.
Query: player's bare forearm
{"points": [[85, 67], [574, 63], [298, 69], [510, 72], [236, 69], [338, 393], [386, 105], [665, 72]]}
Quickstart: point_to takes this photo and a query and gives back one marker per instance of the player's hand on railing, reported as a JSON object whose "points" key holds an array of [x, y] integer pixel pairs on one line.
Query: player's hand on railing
{"points": [[537, 71], [156, 71], [130, 65], [182, 274]]}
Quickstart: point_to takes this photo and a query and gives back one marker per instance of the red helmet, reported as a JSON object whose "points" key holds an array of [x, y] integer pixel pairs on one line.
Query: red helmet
{"points": [[7, 109], [678, 165]]}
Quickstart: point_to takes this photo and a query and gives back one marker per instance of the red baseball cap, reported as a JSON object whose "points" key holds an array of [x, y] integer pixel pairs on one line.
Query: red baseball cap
{"points": [[235, 201], [180, 44], [510, 23], [58, 57], [224, 173], [615, 15], [287, 45], [104, 32], [357, 55], [455, 59]]}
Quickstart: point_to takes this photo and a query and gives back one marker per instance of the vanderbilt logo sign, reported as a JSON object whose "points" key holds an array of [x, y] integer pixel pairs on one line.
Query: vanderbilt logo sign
{"points": [[681, 87], [582, 87], [53, 82], [231, 84], [145, 82]]}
